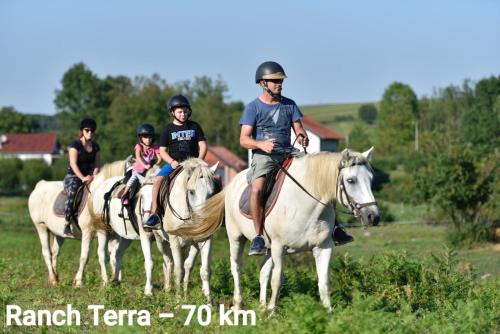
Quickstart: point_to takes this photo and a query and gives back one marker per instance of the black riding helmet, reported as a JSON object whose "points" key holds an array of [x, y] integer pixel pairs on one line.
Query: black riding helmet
{"points": [[88, 123], [269, 70], [145, 129], [178, 101]]}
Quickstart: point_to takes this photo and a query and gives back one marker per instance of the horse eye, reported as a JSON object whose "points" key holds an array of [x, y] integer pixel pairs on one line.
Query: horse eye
{"points": [[349, 180], [191, 192]]}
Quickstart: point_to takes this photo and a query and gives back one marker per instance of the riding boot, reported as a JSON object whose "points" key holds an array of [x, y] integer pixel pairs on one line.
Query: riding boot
{"points": [[340, 236]]}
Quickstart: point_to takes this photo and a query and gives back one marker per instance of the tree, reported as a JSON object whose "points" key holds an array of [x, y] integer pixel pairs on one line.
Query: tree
{"points": [[460, 185], [395, 122], [12, 121], [359, 139], [368, 113], [481, 122]]}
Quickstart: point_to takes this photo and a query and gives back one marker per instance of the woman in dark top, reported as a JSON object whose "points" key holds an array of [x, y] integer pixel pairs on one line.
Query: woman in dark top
{"points": [[83, 165]]}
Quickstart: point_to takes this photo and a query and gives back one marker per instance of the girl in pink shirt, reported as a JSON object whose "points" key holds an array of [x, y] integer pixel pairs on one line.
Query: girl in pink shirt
{"points": [[146, 154]]}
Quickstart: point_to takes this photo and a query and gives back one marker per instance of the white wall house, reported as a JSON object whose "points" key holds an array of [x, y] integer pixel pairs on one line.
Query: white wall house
{"points": [[321, 138], [41, 145]]}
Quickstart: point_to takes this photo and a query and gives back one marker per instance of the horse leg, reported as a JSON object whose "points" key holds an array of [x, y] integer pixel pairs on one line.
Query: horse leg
{"points": [[44, 235], [148, 263], [118, 258], [102, 240], [322, 257], [265, 272], [56, 245], [113, 244], [177, 256], [84, 256], [206, 255], [277, 258], [188, 267], [236, 251], [167, 261]]}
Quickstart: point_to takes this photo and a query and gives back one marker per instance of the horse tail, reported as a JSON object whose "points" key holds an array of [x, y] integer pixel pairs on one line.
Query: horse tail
{"points": [[206, 219], [97, 219]]}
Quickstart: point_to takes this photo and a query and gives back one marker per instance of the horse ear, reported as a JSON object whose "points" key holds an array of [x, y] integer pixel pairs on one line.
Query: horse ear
{"points": [[368, 154], [214, 167], [346, 154]]}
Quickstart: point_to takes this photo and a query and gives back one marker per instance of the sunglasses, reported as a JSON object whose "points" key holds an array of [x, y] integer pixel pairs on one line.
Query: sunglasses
{"points": [[89, 130], [275, 81]]}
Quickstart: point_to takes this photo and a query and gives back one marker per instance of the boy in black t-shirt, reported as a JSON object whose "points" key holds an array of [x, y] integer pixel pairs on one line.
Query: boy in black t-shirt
{"points": [[179, 140]]}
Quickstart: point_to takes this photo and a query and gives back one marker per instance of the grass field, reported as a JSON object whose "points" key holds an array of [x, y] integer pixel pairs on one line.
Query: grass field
{"points": [[339, 116], [397, 278]]}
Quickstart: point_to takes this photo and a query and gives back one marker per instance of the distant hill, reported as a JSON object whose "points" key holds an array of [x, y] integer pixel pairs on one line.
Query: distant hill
{"points": [[337, 116]]}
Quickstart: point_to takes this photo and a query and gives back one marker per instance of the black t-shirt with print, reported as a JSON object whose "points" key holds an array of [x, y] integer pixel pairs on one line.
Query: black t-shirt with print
{"points": [[181, 141], [85, 160]]}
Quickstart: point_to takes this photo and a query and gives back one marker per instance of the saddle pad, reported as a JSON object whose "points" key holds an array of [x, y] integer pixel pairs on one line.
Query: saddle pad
{"points": [[166, 187], [273, 194], [79, 202]]}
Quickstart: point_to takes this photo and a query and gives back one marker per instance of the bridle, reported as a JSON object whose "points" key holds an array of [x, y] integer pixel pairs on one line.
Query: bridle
{"points": [[344, 197]]}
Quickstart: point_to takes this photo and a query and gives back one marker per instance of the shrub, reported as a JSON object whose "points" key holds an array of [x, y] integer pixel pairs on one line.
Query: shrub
{"points": [[33, 171], [9, 174]]}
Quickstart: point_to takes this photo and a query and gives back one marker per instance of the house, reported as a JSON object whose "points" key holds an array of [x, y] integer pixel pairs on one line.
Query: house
{"points": [[321, 138], [229, 163], [41, 145]]}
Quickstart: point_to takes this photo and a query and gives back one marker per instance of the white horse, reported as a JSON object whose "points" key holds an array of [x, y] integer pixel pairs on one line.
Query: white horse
{"points": [[50, 227], [299, 221], [191, 188]]}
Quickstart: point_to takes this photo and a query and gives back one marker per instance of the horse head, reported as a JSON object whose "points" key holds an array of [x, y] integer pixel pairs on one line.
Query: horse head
{"points": [[200, 182], [354, 186]]}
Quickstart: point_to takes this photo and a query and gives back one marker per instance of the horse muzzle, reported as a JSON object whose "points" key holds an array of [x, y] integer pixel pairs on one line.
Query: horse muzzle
{"points": [[370, 215]]}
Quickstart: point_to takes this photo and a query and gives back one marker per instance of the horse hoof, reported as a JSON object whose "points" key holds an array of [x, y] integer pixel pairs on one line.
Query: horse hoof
{"points": [[77, 284], [148, 293]]}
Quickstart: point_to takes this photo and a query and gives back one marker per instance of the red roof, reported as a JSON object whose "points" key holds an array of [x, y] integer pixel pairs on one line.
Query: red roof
{"points": [[317, 128], [42, 142], [225, 158]]}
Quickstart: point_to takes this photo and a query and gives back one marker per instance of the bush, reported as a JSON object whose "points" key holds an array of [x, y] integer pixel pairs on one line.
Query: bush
{"points": [[33, 171], [9, 174]]}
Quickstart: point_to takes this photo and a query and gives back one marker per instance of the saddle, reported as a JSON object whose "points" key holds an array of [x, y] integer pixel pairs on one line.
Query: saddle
{"points": [[78, 203], [166, 188], [272, 187]]}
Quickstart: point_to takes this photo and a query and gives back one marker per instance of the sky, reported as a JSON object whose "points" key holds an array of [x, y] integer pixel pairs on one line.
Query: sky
{"points": [[332, 51]]}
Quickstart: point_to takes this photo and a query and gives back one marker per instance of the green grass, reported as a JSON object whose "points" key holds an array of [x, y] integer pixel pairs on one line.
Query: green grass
{"points": [[339, 117], [386, 281]]}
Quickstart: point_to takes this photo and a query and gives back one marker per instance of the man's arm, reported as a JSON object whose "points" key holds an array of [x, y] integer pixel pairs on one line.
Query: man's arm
{"points": [[247, 141], [301, 133]]}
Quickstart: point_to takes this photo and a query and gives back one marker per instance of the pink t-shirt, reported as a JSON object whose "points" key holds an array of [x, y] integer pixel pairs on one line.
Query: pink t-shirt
{"points": [[148, 154]]}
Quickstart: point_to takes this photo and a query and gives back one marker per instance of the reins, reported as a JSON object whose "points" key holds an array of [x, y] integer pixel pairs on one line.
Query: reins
{"points": [[354, 206]]}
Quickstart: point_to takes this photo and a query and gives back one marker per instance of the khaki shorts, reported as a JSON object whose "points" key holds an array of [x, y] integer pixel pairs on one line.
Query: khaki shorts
{"points": [[262, 164]]}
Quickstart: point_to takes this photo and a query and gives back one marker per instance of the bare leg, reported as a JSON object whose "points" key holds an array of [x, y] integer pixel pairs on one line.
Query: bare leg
{"points": [[256, 208], [156, 188]]}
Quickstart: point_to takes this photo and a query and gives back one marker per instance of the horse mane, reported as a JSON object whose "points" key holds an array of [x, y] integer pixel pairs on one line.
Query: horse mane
{"points": [[194, 168], [321, 174], [111, 169], [322, 171]]}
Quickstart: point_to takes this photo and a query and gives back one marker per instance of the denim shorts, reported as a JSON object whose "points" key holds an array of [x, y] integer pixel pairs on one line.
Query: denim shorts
{"points": [[165, 170]]}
